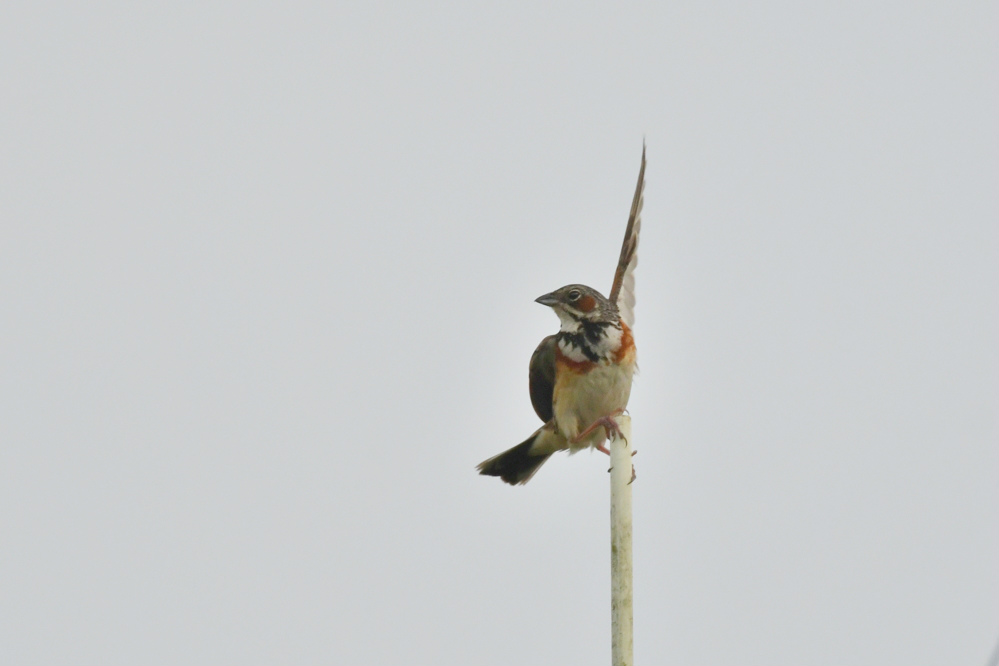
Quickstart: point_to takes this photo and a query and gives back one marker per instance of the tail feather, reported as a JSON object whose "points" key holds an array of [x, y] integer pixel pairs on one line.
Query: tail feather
{"points": [[517, 465]]}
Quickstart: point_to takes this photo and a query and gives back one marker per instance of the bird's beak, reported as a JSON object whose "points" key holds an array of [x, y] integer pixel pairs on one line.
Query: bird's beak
{"points": [[548, 299]]}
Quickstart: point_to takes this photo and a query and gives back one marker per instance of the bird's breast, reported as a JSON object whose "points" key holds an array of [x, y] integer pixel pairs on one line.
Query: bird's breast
{"points": [[587, 391]]}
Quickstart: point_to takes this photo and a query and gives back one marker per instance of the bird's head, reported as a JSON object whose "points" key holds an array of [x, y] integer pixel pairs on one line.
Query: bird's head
{"points": [[577, 303]]}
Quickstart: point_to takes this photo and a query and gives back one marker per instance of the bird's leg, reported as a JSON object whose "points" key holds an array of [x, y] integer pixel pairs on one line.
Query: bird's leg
{"points": [[609, 424]]}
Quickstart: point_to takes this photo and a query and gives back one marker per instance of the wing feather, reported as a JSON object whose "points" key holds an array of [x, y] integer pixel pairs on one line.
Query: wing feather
{"points": [[542, 378], [622, 292]]}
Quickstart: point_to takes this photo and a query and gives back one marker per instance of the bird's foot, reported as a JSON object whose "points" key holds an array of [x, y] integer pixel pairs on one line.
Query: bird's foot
{"points": [[609, 425]]}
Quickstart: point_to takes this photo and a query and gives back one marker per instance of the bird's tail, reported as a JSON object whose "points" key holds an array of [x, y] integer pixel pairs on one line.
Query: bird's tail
{"points": [[518, 465]]}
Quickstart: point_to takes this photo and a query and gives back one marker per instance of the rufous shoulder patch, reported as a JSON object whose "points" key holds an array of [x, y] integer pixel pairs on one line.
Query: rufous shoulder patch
{"points": [[627, 344]]}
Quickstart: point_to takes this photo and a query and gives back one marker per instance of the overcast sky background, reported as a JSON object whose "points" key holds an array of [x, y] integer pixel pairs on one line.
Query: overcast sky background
{"points": [[267, 278]]}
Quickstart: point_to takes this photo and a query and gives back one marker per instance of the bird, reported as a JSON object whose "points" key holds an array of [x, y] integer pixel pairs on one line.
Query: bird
{"points": [[580, 378]]}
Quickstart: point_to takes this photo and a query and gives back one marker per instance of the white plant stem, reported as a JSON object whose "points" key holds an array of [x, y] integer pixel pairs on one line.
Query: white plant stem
{"points": [[622, 618]]}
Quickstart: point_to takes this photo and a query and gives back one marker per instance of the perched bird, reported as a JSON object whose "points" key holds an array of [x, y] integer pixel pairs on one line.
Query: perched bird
{"points": [[580, 378]]}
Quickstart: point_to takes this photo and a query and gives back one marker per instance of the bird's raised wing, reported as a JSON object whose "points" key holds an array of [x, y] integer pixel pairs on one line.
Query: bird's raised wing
{"points": [[622, 294]]}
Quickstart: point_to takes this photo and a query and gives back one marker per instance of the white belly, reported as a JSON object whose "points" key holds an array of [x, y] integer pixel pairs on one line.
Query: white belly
{"points": [[582, 398]]}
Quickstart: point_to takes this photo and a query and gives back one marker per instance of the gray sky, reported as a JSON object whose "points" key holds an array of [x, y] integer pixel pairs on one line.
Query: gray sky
{"points": [[267, 280]]}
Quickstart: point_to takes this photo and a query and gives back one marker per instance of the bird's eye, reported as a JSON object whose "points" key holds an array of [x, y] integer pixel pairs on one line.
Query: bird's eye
{"points": [[574, 295]]}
